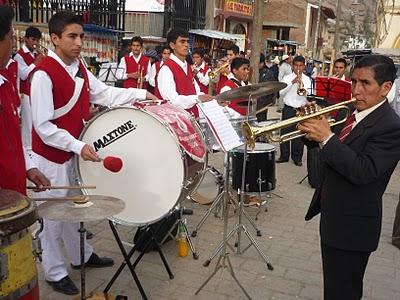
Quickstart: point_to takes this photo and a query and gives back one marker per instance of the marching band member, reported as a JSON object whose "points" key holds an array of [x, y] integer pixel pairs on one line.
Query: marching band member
{"points": [[135, 68], [240, 69], [155, 68], [358, 164], [14, 163], [27, 57], [61, 92], [340, 66], [175, 79], [231, 53], [293, 99], [200, 70]]}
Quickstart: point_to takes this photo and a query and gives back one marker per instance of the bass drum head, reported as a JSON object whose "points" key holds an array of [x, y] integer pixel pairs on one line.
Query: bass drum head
{"points": [[153, 172], [209, 188]]}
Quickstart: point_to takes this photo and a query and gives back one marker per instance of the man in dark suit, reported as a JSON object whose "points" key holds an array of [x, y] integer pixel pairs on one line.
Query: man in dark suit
{"points": [[358, 164]]}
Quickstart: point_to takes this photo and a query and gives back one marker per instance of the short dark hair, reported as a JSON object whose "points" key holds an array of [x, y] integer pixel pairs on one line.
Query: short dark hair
{"points": [[165, 47], [173, 35], [341, 60], [237, 62], [299, 58], [62, 19], [382, 66], [199, 52], [234, 48], [6, 17], [137, 39], [33, 32]]}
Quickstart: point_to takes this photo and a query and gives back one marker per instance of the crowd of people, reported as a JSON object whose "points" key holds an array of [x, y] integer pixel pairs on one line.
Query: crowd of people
{"points": [[57, 97]]}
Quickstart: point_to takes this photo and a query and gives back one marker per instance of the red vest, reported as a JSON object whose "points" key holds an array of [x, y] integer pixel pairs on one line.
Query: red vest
{"points": [[156, 90], [63, 88], [12, 161], [222, 80], [233, 104], [11, 73], [203, 88], [28, 59], [184, 83], [132, 66]]}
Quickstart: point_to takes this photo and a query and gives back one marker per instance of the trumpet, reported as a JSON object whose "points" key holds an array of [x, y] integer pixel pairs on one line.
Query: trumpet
{"points": [[214, 73], [314, 111], [301, 91], [140, 78], [41, 49]]}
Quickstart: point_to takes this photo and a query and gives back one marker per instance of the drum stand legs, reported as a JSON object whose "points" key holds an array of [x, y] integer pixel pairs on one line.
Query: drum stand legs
{"points": [[181, 223], [128, 256]]}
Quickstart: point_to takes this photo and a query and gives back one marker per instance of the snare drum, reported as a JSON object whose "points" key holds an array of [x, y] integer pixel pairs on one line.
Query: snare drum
{"points": [[209, 188], [157, 173], [260, 168], [18, 274]]}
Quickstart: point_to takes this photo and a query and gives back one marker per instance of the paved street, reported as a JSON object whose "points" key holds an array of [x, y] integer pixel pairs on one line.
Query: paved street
{"points": [[290, 243]]}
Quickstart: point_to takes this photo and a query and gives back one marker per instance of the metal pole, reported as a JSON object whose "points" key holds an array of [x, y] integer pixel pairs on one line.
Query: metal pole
{"points": [[315, 52], [336, 38]]}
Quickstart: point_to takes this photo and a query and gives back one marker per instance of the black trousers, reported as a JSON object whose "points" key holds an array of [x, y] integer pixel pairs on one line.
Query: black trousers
{"points": [[293, 148], [396, 227], [343, 273]]}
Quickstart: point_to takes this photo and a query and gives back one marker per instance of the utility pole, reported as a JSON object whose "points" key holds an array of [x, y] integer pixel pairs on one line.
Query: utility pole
{"points": [[315, 48], [210, 4], [337, 28], [258, 11]]}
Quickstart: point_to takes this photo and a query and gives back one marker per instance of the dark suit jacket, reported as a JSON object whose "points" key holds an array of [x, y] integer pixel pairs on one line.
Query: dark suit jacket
{"points": [[355, 177]]}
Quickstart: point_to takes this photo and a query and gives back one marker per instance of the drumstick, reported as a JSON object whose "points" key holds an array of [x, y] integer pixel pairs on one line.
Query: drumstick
{"points": [[78, 198], [62, 187]]}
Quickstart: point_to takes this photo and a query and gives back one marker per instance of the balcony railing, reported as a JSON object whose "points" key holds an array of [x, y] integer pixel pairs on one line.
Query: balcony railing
{"points": [[105, 13]]}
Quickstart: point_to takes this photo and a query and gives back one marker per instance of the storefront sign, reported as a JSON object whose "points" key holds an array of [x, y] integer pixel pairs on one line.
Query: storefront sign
{"points": [[244, 7]]}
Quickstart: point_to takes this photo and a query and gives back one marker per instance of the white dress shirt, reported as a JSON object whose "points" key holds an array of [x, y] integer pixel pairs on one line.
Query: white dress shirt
{"points": [[167, 86], [23, 69], [43, 105], [289, 93], [122, 74], [203, 78], [284, 70], [153, 73]]}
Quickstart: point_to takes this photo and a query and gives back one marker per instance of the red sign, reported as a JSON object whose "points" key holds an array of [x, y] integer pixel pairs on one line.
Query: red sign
{"points": [[241, 7], [184, 130]]}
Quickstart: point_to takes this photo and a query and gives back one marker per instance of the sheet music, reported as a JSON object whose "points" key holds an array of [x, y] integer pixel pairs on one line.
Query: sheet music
{"points": [[222, 129]]}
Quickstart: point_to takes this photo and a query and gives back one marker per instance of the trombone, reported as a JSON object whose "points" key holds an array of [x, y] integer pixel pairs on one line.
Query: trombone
{"points": [[314, 111]]}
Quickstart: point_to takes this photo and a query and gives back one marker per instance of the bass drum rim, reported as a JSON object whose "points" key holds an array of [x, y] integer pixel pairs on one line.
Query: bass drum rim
{"points": [[184, 190]]}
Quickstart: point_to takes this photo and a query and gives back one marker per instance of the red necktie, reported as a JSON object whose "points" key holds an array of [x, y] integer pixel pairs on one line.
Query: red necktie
{"points": [[348, 125]]}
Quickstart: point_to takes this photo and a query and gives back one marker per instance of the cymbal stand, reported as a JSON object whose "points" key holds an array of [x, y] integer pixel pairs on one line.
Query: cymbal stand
{"points": [[224, 260]]}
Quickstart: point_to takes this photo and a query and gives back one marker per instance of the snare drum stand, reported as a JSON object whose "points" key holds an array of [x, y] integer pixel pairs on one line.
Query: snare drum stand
{"points": [[224, 260]]}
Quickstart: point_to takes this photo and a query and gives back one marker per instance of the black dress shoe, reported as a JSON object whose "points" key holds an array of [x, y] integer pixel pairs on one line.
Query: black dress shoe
{"points": [[281, 160], [65, 286], [96, 262], [298, 163]]}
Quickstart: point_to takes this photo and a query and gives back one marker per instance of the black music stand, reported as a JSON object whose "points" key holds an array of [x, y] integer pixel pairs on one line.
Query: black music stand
{"points": [[108, 73], [128, 255]]}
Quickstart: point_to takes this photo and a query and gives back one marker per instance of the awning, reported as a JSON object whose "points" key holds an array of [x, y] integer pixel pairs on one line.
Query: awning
{"points": [[215, 34], [283, 42]]}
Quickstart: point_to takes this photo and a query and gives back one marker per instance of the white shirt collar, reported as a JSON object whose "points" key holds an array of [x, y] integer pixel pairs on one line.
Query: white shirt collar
{"points": [[138, 58], [359, 115], [2, 80], [182, 64], [52, 54], [202, 66], [26, 50], [10, 62]]}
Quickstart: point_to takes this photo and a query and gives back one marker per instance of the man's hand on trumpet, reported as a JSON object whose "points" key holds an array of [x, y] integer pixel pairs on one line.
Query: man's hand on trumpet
{"points": [[317, 129]]}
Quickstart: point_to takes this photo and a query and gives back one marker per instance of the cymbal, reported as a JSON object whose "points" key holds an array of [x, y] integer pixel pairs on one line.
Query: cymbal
{"points": [[255, 90], [96, 208]]}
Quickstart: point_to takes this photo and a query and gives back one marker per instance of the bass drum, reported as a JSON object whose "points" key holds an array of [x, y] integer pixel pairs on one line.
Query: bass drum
{"points": [[157, 173]]}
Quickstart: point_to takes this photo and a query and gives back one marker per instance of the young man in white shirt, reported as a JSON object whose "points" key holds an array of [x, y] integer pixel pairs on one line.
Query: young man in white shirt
{"points": [[292, 101], [58, 119]]}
